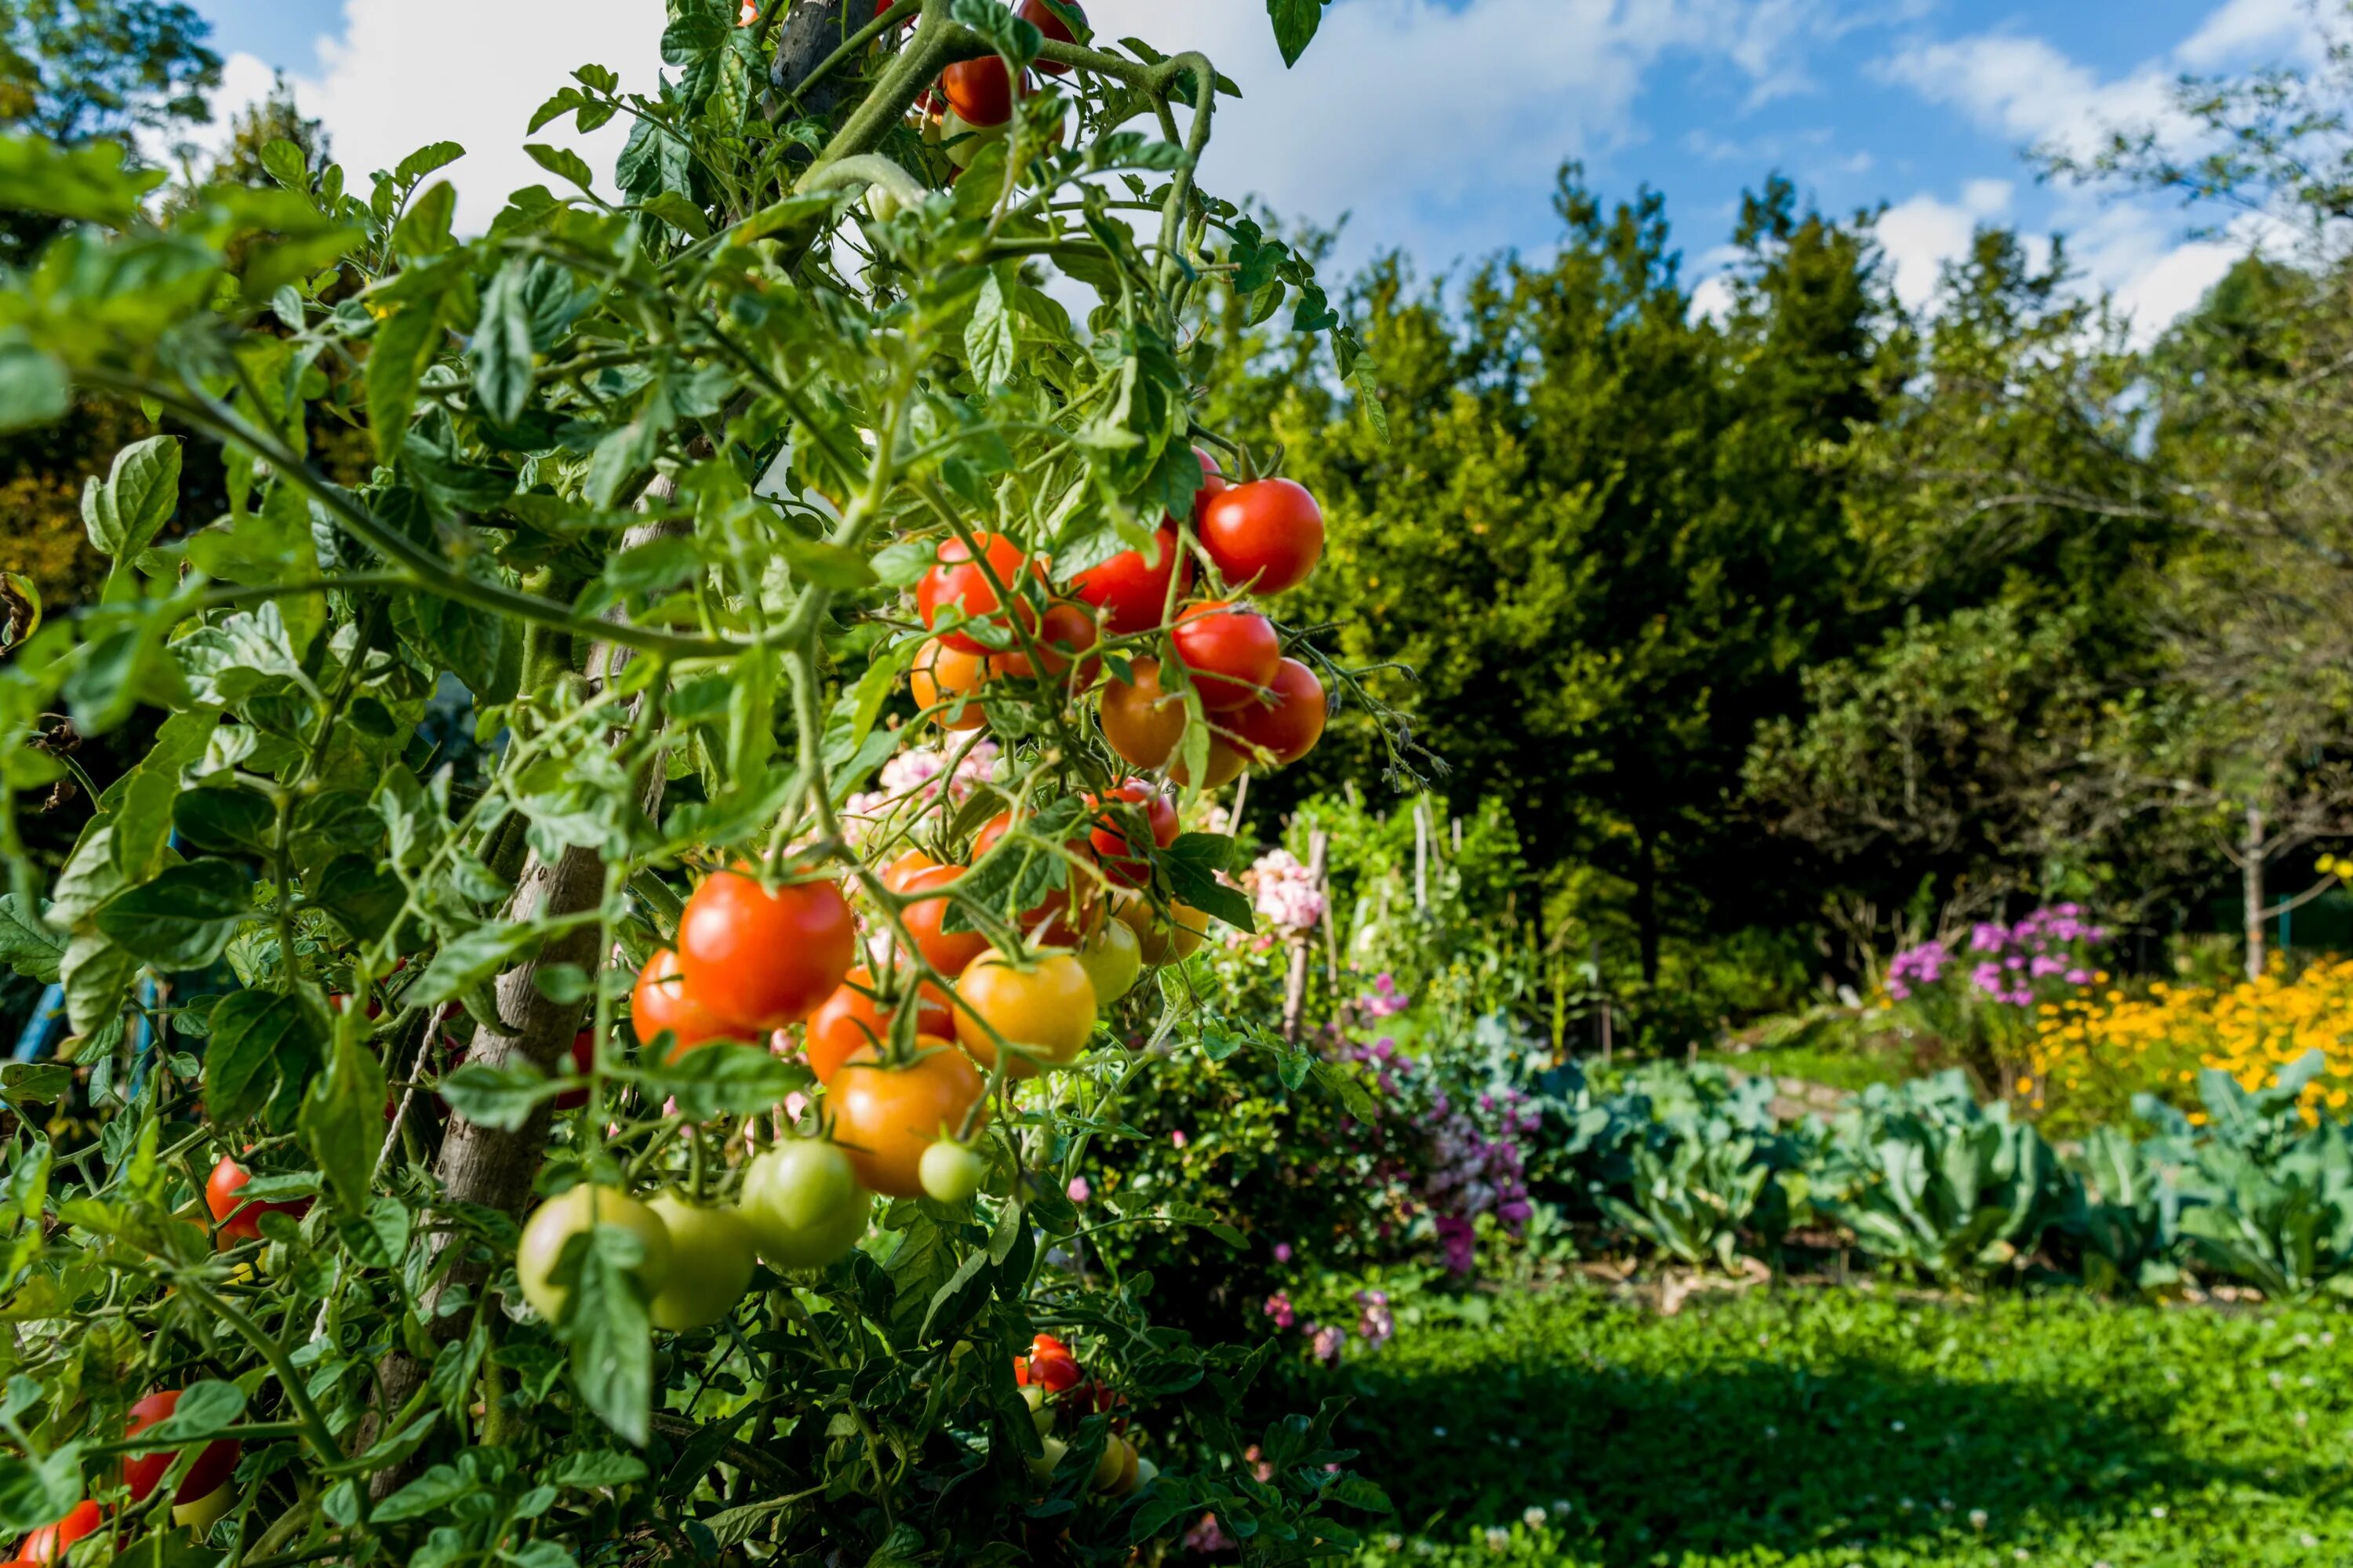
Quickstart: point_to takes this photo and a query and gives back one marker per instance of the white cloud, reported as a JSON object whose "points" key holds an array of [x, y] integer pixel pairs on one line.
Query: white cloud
{"points": [[1923, 235], [2025, 88], [2239, 29], [1437, 125], [404, 73]]}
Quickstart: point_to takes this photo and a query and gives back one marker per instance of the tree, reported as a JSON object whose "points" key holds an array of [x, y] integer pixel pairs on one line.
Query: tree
{"points": [[1602, 533], [78, 71]]}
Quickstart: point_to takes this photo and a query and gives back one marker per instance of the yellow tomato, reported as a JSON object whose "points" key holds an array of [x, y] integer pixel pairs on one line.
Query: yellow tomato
{"points": [[1045, 1009]]}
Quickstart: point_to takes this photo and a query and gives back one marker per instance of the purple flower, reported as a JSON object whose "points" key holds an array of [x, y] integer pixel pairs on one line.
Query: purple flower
{"points": [[1283, 1252]]}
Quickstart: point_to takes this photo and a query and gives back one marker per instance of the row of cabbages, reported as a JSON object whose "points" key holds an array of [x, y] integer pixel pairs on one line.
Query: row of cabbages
{"points": [[1921, 1179]]}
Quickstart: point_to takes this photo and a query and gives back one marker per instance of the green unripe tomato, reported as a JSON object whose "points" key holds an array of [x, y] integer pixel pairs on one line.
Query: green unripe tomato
{"points": [[804, 1204], [951, 1172], [1113, 959], [1041, 1414], [1146, 1470], [1043, 1467], [572, 1214], [709, 1263]]}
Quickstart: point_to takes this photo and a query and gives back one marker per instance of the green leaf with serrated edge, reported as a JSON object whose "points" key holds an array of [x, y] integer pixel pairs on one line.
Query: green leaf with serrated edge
{"points": [[990, 343], [124, 513], [606, 1326], [501, 346], [36, 1493], [204, 1409], [260, 1040], [717, 1082], [342, 1122], [183, 917], [1193, 862], [28, 947], [358, 895], [1295, 22], [226, 820], [403, 345], [473, 960], [425, 159], [97, 977], [499, 1097]]}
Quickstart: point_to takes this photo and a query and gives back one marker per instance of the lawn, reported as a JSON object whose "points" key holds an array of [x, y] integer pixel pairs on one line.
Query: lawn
{"points": [[1830, 1428]]}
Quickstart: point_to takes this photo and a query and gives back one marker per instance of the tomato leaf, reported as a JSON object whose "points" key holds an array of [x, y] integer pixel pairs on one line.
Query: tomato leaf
{"points": [[722, 1080], [605, 1324], [182, 919], [1193, 862], [342, 1122], [205, 1408], [34, 1493], [499, 1098], [27, 946], [260, 1040], [124, 513]]}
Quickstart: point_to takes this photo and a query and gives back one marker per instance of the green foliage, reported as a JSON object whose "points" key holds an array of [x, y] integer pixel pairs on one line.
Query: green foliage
{"points": [[636, 464]]}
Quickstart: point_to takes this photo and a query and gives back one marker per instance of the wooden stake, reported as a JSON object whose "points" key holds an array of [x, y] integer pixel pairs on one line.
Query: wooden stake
{"points": [[1294, 989]]}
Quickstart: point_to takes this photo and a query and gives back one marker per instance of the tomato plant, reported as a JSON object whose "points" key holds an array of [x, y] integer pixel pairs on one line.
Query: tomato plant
{"points": [[689, 478]]}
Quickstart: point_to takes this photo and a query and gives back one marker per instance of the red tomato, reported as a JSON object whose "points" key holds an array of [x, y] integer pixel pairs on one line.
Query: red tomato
{"points": [[960, 581], [1213, 485], [1265, 535], [947, 952], [884, 1117], [1048, 1345], [1055, 1372], [1233, 653], [48, 1543], [583, 1062], [1290, 728], [851, 1020], [1131, 594], [242, 1222], [980, 91], [758, 960], [1121, 855], [1064, 633], [141, 1471], [1142, 722], [1040, 17], [896, 874], [661, 1002]]}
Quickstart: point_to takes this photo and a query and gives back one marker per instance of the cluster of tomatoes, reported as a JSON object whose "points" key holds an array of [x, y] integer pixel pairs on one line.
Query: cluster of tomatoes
{"points": [[1263, 537], [205, 1494], [1051, 1380]]}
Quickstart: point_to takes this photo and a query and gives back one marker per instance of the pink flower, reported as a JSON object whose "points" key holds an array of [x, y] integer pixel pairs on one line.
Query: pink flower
{"points": [[1278, 1306], [1282, 1249], [1079, 1190], [1328, 1341], [1206, 1536], [1177, 1136]]}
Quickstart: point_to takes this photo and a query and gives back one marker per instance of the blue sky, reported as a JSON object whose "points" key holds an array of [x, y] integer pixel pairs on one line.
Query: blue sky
{"points": [[1436, 124]]}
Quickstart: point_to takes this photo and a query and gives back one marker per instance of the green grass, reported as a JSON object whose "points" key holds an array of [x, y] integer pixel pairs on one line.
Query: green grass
{"points": [[1824, 1429]]}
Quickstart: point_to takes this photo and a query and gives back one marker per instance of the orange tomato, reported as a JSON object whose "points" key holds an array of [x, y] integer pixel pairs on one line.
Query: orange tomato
{"points": [[885, 1117], [1064, 635], [660, 1001], [850, 1021], [1143, 723], [941, 675], [947, 952]]}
